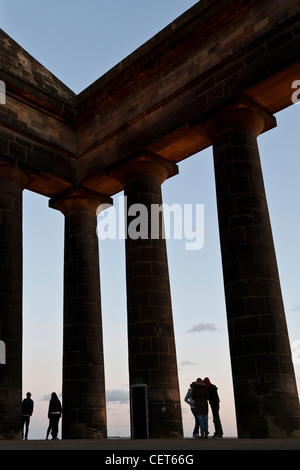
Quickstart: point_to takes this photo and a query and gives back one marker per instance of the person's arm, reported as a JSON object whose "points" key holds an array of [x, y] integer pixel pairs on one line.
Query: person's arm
{"points": [[187, 398]]}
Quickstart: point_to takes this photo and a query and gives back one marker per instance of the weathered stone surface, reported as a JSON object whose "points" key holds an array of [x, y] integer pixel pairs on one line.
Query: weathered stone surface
{"points": [[258, 336], [84, 408], [11, 302], [151, 343]]}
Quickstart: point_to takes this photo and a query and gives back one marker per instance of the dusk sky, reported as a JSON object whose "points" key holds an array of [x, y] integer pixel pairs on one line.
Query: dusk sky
{"points": [[78, 42]]}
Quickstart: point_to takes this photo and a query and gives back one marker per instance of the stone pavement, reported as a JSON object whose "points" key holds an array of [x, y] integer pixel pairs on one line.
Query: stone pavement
{"points": [[153, 446]]}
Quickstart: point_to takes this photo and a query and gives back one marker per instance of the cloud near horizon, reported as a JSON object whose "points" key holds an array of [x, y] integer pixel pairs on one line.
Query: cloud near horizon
{"points": [[200, 327], [121, 396], [117, 395], [296, 308], [187, 363], [48, 396]]}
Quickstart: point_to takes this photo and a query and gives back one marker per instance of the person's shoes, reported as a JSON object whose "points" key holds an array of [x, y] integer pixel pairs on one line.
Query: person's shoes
{"points": [[196, 436]]}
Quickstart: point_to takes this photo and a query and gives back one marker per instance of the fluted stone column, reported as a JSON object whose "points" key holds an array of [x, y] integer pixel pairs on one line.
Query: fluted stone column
{"points": [[12, 183], [151, 343], [84, 407], [266, 398]]}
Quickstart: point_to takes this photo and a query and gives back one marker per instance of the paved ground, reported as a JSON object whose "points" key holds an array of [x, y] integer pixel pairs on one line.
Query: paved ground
{"points": [[153, 446]]}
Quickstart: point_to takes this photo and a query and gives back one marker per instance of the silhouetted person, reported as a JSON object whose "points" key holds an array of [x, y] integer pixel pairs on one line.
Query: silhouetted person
{"points": [[188, 399], [54, 414], [214, 402], [200, 397], [27, 410]]}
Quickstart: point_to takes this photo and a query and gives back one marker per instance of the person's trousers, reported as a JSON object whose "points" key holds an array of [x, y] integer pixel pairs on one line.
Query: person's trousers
{"points": [[196, 428], [25, 422], [54, 420], [216, 419], [203, 421]]}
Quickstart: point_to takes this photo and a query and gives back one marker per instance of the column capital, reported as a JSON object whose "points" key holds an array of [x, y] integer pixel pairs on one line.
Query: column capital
{"points": [[79, 197], [143, 163], [242, 114], [14, 175]]}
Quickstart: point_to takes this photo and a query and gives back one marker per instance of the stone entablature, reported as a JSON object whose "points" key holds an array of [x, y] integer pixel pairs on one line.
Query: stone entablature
{"points": [[215, 76]]}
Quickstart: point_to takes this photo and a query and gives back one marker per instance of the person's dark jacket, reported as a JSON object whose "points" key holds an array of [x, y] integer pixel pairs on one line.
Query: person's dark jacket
{"points": [[54, 407], [213, 396], [27, 407], [212, 390], [200, 397]]}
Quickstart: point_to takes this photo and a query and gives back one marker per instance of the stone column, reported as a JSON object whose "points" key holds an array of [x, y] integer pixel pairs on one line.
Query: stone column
{"points": [[266, 398], [84, 408], [151, 343], [12, 183]]}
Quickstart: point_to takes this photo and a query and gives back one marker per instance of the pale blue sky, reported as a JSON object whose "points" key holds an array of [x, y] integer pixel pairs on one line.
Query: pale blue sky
{"points": [[78, 42]]}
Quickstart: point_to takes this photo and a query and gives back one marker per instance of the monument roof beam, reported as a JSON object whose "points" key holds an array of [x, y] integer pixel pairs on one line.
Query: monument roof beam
{"points": [[216, 53]]}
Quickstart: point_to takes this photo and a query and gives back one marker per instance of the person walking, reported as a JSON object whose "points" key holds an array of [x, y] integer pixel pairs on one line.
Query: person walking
{"points": [[200, 397], [27, 410], [188, 399], [54, 414], [214, 401]]}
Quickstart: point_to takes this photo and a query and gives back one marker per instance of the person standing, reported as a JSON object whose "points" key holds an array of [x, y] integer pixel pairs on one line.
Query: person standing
{"points": [[188, 399], [214, 402], [200, 397], [54, 414], [27, 410]]}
